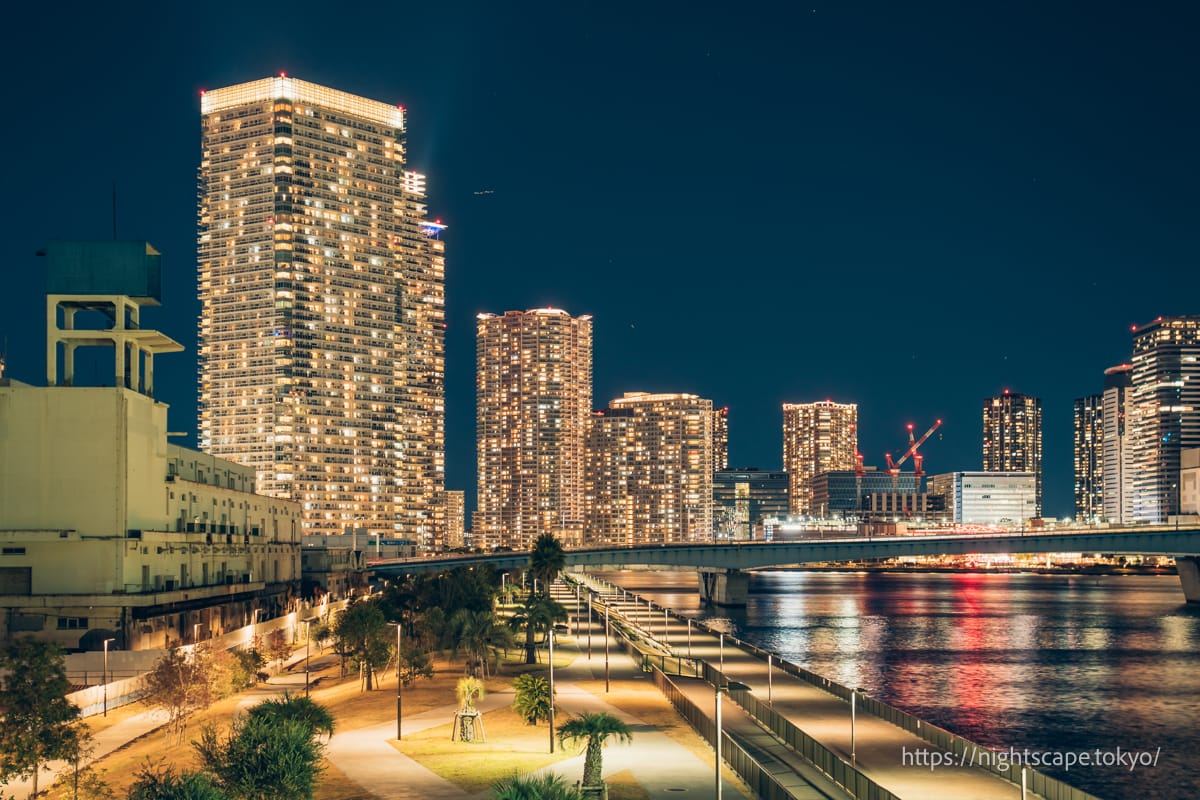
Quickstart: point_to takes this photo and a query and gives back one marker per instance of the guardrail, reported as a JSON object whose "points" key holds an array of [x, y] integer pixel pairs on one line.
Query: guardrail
{"points": [[745, 765], [1037, 782]]}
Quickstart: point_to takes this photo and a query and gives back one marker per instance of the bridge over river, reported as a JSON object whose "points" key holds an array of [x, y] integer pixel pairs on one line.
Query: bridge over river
{"points": [[723, 566]]}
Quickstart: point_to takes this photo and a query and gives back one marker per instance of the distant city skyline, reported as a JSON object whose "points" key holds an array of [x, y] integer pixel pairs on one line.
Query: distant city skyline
{"points": [[909, 209]]}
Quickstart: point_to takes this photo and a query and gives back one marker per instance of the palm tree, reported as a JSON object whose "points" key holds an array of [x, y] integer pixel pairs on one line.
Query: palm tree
{"points": [[538, 613], [547, 786], [468, 689], [477, 633], [594, 730], [546, 560], [532, 697]]}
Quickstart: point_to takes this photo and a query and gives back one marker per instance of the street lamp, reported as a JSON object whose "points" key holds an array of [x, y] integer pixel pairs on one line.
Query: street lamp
{"points": [[605, 648], [196, 633], [378, 539], [730, 686], [589, 627], [399, 629], [105, 676], [550, 637], [307, 643], [853, 715]]}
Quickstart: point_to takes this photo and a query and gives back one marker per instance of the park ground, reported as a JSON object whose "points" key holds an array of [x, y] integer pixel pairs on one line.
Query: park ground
{"points": [[459, 769]]}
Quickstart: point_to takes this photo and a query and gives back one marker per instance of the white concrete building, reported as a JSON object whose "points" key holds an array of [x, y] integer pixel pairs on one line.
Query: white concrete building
{"points": [[1189, 481], [987, 498], [108, 531]]}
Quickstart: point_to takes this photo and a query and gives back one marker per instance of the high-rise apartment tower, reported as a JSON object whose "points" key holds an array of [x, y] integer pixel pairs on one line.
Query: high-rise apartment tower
{"points": [[649, 477], [1089, 458], [817, 437], [533, 393], [720, 438], [1164, 412], [1118, 477], [1012, 439], [321, 284]]}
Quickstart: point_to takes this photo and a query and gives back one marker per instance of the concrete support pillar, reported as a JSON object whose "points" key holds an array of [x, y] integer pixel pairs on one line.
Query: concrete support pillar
{"points": [[1189, 577], [723, 587]]}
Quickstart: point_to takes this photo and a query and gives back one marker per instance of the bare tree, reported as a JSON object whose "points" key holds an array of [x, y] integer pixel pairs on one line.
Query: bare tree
{"points": [[181, 683]]}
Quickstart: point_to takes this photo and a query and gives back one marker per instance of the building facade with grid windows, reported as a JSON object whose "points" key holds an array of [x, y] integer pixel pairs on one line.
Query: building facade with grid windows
{"points": [[533, 395], [321, 282]]}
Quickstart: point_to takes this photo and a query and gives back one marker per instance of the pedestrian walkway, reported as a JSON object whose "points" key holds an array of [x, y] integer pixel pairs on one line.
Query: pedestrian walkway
{"points": [[792, 772], [873, 746], [663, 767], [103, 743], [127, 730]]}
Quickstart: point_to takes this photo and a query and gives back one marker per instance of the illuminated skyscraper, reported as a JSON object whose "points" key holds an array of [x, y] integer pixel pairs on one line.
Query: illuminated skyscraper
{"points": [[455, 518], [649, 477], [1117, 469], [720, 438], [1012, 439], [1164, 412], [533, 392], [321, 285], [817, 437], [1089, 458]]}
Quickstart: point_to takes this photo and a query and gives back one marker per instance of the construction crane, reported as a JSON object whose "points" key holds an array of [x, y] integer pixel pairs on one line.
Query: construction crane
{"points": [[913, 451]]}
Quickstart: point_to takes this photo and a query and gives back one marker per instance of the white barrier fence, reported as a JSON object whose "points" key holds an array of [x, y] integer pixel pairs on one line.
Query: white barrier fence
{"points": [[91, 700]]}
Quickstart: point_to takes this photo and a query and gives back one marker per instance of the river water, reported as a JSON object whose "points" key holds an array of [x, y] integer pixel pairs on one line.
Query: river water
{"points": [[1029, 662]]}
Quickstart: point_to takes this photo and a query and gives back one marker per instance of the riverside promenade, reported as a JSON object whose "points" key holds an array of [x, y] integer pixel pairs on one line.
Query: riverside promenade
{"points": [[878, 750]]}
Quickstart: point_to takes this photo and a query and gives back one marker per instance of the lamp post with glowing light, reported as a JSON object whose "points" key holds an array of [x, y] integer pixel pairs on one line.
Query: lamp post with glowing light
{"points": [[853, 719], [307, 644], [729, 686], [399, 682], [104, 677], [606, 634], [550, 637]]}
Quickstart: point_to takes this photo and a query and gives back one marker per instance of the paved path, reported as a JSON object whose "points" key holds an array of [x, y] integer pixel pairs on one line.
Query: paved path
{"points": [[879, 745], [665, 768], [127, 730]]}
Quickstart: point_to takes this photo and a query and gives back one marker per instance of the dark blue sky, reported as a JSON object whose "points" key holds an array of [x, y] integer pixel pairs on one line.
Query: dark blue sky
{"points": [[910, 206]]}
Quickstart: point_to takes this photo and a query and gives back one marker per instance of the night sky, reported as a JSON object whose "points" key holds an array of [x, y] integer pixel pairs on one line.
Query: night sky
{"points": [[907, 206]]}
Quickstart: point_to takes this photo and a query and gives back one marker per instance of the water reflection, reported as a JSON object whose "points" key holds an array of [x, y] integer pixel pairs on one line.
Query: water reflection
{"points": [[1026, 661]]}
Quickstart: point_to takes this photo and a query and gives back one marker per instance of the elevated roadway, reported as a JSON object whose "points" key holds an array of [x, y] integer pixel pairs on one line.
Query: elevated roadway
{"points": [[723, 566]]}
